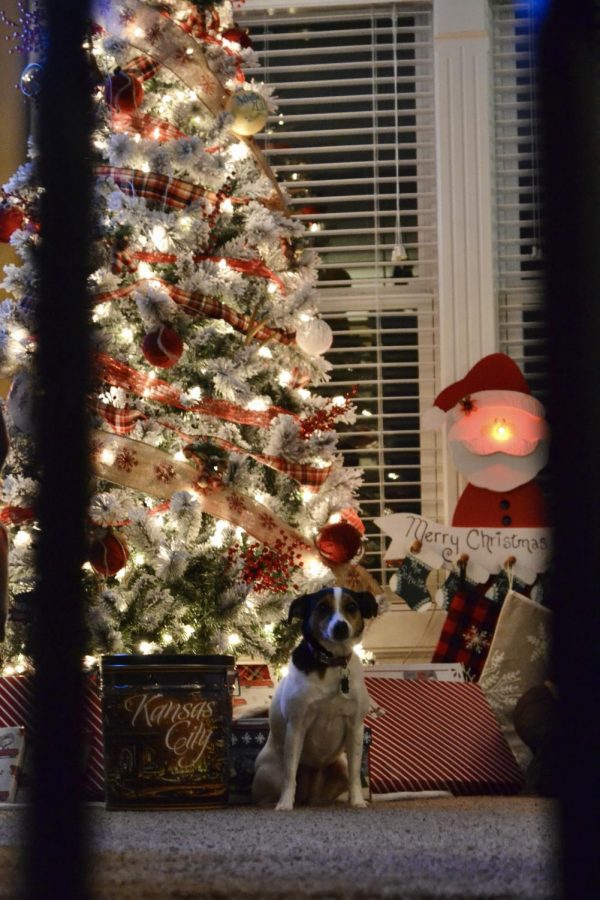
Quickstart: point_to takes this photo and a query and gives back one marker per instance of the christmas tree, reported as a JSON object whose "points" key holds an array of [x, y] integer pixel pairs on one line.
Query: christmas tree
{"points": [[218, 491]]}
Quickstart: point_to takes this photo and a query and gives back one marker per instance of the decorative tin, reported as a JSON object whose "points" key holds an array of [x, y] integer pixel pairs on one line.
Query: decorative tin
{"points": [[167, 730]]}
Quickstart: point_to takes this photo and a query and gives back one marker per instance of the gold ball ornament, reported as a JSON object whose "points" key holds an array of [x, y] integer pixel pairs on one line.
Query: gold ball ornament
{"points": [[249, 111]]}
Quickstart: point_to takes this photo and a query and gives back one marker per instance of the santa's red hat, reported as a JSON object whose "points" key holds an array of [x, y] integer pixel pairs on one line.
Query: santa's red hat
{"points": [[495, 380]]}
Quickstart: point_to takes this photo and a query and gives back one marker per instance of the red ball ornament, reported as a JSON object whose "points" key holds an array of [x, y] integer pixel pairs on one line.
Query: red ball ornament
{"points": [[11, 219], [108, 554], [162, 347], [123, 92], [237, 36], [339, 542]]}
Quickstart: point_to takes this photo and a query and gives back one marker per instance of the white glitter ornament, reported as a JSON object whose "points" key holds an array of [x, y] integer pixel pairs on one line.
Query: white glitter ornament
{"points": [[314, 337]]}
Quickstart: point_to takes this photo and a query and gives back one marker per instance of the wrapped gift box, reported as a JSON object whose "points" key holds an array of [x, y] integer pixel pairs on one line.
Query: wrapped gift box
{"points": [[16, 709], [248, 736], [256, 689], [437, 735]]}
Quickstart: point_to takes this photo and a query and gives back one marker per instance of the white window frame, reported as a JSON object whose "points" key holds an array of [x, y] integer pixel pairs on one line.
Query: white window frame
{"points": [[467, 283]]}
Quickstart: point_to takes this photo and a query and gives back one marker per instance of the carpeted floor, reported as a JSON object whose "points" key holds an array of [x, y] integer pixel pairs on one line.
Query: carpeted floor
{"points": [[462, 848]]}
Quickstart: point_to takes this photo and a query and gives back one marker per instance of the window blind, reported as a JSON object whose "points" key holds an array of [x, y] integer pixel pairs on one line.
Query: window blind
{"points": [[353, 144], [518, 187]]}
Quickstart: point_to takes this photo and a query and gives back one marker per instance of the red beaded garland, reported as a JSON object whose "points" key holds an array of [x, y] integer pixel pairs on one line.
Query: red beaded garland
{"points": [[162, 347]]}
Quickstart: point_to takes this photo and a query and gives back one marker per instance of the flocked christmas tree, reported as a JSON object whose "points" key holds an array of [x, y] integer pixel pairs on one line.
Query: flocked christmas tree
{"points": [[218, 492]]}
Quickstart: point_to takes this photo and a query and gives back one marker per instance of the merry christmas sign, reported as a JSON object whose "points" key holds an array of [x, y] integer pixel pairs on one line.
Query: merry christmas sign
{"points": [[487, 547]]}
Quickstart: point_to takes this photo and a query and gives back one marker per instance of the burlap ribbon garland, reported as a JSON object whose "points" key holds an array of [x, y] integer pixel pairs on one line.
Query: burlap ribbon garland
{"points": [[136, 465]]}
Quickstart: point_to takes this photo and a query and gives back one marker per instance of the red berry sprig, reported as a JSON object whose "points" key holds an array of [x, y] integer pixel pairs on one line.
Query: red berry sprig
{"points": [[325, 419], [269, 568]]}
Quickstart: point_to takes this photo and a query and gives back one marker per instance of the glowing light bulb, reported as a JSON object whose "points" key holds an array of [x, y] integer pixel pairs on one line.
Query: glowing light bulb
{"points": [[188, 630], [265, 353], [218, 536], [360, 651], [89, 662], [272, 287], [269, 628], [156, 133], [222, 264], [314, 226], [227, 206], [336, 517], [501, 431], [260, 497], [127, 334], [238, 151], [314, 568], [144, 270], [22, 539], [145, 647], [180, 456], [101, 311], [339, 400], [160, 238], [167, 639], [257, 404], [284, 378], [307, 494], [233, 640], [139, 559], [303, 393], [195, 393], [284, 670], [107, 456]]}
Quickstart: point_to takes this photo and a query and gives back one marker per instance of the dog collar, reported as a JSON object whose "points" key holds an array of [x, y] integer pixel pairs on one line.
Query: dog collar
{"points": [[324, 657]]}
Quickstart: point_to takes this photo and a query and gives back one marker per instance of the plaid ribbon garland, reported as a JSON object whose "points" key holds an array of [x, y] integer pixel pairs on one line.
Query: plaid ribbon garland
{"points": [[248, 266], [303, 474], [16, 515], [142, 67], [172, 192], [121, 375], [147, 126], [468, 630], [200, 305], [122, 421]]}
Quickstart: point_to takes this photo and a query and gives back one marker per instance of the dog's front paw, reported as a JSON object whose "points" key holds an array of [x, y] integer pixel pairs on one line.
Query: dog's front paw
{"points": [[358, 802], [285, 803]]}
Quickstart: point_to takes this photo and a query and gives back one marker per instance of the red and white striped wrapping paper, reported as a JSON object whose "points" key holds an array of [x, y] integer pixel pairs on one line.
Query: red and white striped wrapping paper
{"points": [[437, 735], [16, 708]]}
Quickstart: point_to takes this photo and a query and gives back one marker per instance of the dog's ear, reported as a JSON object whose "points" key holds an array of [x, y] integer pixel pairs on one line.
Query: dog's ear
{"points": [[299, 607], [367, 604]]}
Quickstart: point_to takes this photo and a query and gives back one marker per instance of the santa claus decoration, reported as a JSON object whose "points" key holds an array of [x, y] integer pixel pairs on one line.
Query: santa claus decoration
{"points": [[498, 437]]}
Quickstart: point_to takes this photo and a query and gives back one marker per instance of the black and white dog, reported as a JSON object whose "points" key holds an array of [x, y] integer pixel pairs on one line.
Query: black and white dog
{"points": [[317, 711]]}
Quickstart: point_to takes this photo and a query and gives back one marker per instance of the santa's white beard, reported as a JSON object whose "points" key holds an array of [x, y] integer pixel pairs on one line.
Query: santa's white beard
{"points": [[499, 471]]}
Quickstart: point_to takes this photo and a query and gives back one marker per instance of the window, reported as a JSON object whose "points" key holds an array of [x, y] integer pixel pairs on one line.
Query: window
{"points": [[518, 197], [353, 141]]}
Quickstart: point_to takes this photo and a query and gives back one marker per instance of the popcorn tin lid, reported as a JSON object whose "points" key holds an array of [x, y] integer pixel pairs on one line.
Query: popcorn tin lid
{"points": [[167, 659]]}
